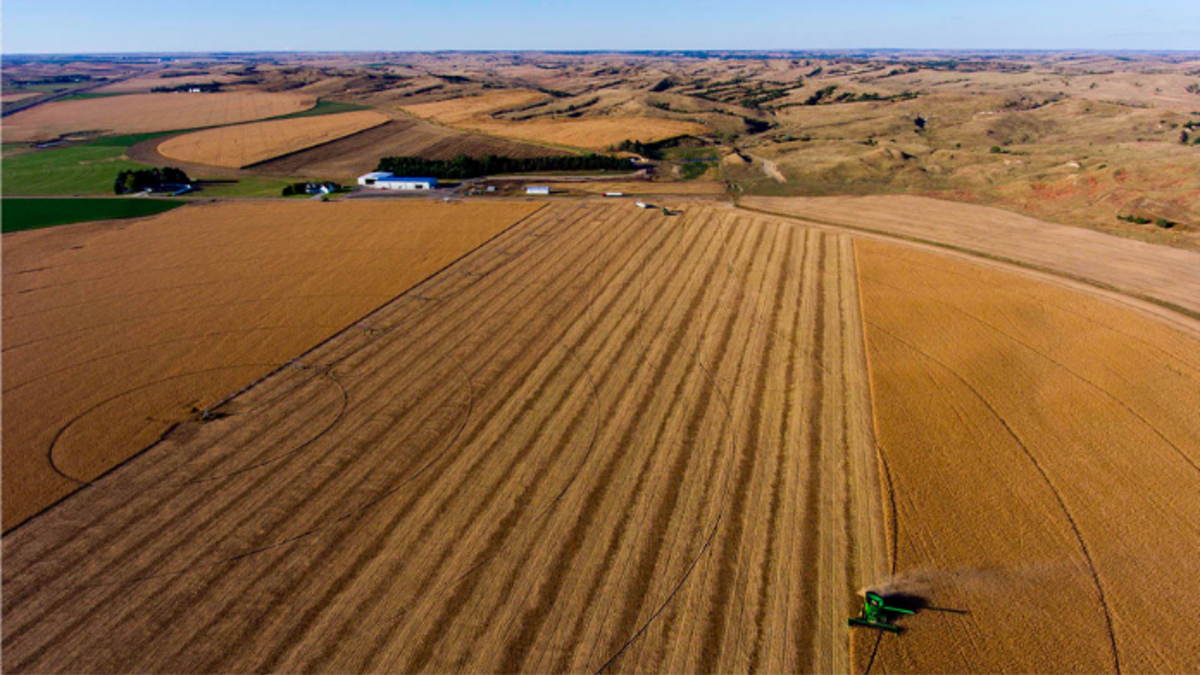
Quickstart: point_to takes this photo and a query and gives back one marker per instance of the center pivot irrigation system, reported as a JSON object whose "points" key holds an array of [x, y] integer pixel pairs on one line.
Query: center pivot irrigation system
{"points": [[877, 615]]}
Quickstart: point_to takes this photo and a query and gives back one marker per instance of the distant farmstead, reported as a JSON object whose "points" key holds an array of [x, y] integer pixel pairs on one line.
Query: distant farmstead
{"points": [[382, 180]]}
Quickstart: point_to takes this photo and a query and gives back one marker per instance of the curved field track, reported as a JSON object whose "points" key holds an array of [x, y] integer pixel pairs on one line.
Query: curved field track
{"points": [[114, 333], [1043, 451], [141, 113], [608, 440], [360, 153], [241, 145]]}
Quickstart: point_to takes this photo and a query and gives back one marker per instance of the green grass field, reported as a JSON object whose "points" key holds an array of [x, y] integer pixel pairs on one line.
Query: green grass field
{"points": [[324, 107], [29, 214], [87, 169]]}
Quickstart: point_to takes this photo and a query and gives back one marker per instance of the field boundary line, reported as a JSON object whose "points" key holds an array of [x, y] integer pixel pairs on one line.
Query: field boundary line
{"points": [[1101, 285], [255, 165]]}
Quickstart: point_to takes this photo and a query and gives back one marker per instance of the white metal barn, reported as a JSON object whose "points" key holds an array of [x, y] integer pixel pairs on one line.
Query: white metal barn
{"points": [[537, 190], [382, 180]]}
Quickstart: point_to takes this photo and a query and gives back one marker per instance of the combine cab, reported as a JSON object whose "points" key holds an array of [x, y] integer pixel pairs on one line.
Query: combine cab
{"points": [[877, 615]]}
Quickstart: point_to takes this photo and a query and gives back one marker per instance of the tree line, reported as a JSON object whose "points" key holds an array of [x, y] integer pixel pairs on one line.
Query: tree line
{"points": [[138, 180], [463, 166]]}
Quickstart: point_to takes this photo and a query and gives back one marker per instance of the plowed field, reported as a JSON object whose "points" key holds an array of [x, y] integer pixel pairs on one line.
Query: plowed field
{"points": [[112, 334], [244, 144], [139, 113], [608, 439], [1043, 451]]}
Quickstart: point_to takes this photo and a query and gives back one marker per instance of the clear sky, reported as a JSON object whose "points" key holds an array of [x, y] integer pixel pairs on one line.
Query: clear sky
{"points": [[75, 26]]}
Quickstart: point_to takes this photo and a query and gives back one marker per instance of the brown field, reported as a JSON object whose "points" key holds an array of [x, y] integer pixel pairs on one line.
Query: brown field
{"points": [[1167, 275], [144, 83], [607, 438], [138, 113], [13, 97], [595, 133], [241, 145], [360, 153], [115, 333], [1043, 455]]}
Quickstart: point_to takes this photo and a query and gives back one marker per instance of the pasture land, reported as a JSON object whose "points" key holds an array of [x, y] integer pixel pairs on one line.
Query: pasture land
{"points": [[1167, 276], [140, 113], [242, 145], [606, 438], [29, 214], [114, 334], [84, 169], [1042, 456]]}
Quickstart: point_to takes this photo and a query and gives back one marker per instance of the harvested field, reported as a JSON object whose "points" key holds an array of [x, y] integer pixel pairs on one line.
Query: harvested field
{"points": [[144, 83], [470, 108], [141, 113], [607, 439], [360, 153], [113, 334], [1043, 458], [594, 133], [1166, 275], [241, 145]]}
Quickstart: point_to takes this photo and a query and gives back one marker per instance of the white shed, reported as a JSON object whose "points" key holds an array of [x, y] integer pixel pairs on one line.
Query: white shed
{"points": [[382, 180], [537, 189]]}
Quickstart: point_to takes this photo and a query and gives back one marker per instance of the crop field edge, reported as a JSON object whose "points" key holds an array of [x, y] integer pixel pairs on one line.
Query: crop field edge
{"points": [[1165, 304]]}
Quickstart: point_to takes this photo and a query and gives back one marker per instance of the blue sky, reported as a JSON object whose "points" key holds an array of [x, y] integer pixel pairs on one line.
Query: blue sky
{"points": [[74, 26]]}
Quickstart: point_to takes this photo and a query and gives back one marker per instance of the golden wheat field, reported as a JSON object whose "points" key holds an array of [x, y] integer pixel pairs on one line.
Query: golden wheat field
{"points": [[1041, 453], [114, 334], [1164, 274], [140, 113], [606, 439], [242, 145], [596, 133], [357, 154]]}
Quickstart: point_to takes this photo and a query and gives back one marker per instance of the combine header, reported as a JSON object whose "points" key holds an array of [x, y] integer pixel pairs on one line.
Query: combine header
{"points": [[876, 615]]}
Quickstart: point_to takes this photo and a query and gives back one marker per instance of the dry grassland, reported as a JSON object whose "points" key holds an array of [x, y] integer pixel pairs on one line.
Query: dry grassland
{"points": [[598, 133], [139, 113], [1042, 454], [245, 144], [115, 333], [608, 438], [1164, 274]]}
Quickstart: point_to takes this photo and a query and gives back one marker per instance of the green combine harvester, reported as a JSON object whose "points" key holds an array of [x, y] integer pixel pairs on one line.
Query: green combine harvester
{"points": [[875, 614]]}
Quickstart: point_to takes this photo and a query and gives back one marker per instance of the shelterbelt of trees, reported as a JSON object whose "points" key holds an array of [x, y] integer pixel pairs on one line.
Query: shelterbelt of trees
{"points": [[463, 166]]}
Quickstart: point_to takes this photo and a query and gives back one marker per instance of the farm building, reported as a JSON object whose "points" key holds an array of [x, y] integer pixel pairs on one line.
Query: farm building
{"points": [[382, 180], [537, 190]]}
